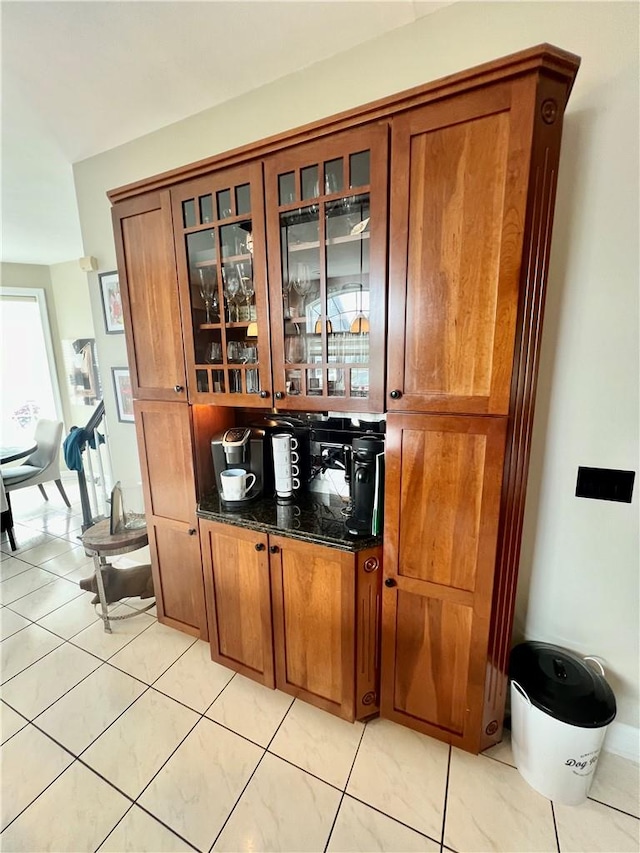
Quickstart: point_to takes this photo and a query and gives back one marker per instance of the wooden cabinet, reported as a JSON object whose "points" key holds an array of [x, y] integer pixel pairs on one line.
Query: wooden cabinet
{"points": [[471, 164], [143, 232], [473, 187], [443, 484], [314, 610], [325, 617], [177, 575], [458, 206], [221, 257], [165, 444], [326, 205], [236, 566]]}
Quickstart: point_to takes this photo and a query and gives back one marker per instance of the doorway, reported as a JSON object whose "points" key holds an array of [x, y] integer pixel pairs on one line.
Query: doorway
{"points": [[27, 366]]}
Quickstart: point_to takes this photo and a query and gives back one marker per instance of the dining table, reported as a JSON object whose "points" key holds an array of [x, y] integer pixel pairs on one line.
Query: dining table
{"points": [[13, 452]]}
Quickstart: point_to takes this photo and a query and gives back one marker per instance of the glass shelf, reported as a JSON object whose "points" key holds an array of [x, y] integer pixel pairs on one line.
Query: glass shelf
{"points": [[230, 259], [330, 241]]}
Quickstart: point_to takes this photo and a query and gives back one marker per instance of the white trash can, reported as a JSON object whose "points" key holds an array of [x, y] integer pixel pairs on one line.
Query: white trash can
{"points": [[560, 710]]}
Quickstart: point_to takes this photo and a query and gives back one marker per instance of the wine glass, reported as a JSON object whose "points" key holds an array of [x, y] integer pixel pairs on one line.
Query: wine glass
{"points": [[247, 289], [302, 283], [232, 290], [208, 294]]}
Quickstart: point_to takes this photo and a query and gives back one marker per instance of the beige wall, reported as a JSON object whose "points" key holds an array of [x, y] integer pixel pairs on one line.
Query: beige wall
{"points": [[579, 567], [74, 320]]}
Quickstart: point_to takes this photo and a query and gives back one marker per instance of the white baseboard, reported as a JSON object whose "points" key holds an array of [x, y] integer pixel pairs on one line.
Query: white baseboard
{"points": [[624, 740]]}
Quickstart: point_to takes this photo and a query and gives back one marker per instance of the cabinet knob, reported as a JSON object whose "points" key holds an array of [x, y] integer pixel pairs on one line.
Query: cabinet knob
{"points": [[192, 531], [395, 394], [389, 582], [273, 549], [279, 395], [264, 394], [259, 546], [178, 389]]}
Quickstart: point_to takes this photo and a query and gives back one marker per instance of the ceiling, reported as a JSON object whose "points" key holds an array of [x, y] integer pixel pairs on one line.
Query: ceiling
{"points": [[79, 78]]}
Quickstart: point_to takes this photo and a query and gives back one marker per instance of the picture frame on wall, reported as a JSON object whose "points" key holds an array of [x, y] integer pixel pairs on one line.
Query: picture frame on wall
{"points": [[111, 302], [124, 394]]}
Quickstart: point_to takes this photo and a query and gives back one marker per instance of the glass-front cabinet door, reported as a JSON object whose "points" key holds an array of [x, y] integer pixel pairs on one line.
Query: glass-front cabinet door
{"points": [[220, 248], [326, 227]]}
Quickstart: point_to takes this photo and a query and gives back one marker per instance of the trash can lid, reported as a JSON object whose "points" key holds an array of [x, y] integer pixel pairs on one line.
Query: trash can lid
{"points": [[560, 683]]}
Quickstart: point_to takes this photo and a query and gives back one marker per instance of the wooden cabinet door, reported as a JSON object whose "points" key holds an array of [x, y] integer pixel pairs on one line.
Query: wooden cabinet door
{"points": [[236, 570], [327, 234], [177, 575], [313, 591], [222, 270], [143, 232], [165, 446], [459, 175], [443, 484]]}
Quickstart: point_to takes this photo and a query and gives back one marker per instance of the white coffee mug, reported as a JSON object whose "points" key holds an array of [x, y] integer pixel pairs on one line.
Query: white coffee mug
{"points": [[286, 482], [283, 442], [236, 483]]}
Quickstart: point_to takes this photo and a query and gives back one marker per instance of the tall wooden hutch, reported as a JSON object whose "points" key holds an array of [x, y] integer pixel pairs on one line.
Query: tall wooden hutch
{"points": [[392, 258]]}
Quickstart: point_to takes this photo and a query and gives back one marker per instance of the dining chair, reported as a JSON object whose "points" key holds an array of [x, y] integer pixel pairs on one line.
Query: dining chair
{"points": [[5, 515], [43, 465]]}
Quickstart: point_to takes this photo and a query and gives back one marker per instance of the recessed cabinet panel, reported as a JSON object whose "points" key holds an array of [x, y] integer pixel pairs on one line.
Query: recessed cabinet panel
{"points": [[313, 589], [441, 501], [166, 455], [148, 284], [238, 599], [457, 218], [312, 622], [442, 507], [177, 576], [433, 640], [457, 196]]}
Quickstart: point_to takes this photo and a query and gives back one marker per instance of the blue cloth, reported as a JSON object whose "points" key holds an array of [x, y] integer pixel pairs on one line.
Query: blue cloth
{"points": [[74, 445]]}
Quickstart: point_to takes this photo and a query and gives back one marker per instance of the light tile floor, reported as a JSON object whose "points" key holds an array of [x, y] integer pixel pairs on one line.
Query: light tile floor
{"points": [[138, 742]]}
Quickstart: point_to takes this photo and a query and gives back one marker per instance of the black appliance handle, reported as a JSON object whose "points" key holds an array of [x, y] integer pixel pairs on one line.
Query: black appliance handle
{"points": [[347, 456]]}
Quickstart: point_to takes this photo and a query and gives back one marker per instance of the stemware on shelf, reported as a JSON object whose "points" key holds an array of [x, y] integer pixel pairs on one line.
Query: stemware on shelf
{"points": [[247, 288], [232, 290], [209, 294]]}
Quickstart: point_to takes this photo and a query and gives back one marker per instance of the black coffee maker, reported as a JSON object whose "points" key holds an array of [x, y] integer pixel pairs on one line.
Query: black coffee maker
{"points": [[240, 447], [365, 472]]}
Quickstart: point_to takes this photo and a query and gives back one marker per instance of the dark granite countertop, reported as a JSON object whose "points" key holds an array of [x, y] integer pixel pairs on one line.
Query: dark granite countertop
{"points": [[311, 517]]}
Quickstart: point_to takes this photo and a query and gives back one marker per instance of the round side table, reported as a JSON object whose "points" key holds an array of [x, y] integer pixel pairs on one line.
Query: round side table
{"points": [[103, 544]]}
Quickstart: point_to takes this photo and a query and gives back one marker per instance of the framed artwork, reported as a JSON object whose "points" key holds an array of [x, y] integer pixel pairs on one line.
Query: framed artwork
{"points": [[111, 302], [124, 395]]}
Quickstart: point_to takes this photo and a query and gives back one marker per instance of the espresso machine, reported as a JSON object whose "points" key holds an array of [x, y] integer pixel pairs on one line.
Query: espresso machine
{"points": [[364, 471], [241, 447]]}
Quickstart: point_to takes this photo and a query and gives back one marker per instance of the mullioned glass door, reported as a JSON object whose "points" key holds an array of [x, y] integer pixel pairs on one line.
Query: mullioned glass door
{"points": [[326, 205], [222, 272]]}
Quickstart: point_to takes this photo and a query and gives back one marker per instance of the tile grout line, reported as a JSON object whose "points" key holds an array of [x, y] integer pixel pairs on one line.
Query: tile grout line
{"points": [[98, 846], [446, 797], [344, 790], [248, 782], [391, 817], [73, 645], [615, 808], [555, 825]]}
